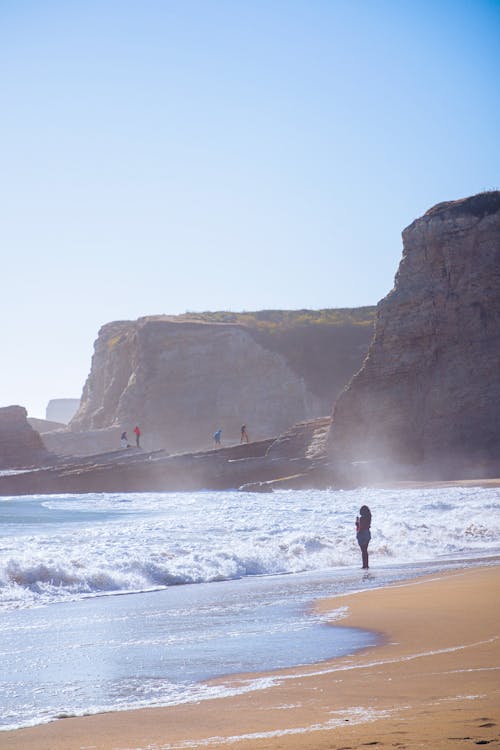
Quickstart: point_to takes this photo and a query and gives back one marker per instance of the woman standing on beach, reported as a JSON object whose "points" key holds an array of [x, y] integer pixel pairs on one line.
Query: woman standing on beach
{"points": [[363, 534]]}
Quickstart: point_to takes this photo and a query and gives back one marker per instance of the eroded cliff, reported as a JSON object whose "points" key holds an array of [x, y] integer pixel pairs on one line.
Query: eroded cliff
{"points": [[427, 399], [180, 379]]}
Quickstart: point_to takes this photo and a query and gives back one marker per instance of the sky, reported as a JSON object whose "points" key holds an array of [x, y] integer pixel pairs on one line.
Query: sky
{"points": [[166, 156]]}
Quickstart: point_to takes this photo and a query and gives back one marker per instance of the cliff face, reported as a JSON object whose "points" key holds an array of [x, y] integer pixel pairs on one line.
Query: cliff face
{"points": [[20, 445], [181, 380], [428, 395]]}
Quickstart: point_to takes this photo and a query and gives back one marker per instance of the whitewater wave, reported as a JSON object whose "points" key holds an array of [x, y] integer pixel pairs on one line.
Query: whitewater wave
{"points": [[89, 545]]}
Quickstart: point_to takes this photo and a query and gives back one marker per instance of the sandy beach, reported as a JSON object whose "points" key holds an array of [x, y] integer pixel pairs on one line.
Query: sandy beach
{"points": [[433, 681]]}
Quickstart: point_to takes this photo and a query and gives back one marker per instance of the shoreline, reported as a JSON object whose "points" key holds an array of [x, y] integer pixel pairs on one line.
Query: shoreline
{"points": [[433, 678]]}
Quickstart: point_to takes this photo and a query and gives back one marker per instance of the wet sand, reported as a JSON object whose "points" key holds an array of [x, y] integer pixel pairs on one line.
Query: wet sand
{"points": [[433, 681]]}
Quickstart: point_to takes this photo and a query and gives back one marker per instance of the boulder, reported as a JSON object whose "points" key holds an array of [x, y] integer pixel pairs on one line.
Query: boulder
{"points": [[20, 444]]}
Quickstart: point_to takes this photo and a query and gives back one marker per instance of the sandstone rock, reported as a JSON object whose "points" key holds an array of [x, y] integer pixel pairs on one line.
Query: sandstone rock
{"points": [[136, 471], [427, 399], [305, 439], [182, 379], [20, 445]]}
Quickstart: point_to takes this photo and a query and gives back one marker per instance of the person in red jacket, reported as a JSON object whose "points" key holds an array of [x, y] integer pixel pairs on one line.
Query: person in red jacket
{"points": [[137, 434], [363, 534]]}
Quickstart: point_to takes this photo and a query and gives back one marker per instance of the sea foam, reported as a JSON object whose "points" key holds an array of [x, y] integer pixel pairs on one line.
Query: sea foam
{"points": [[68, 547]]}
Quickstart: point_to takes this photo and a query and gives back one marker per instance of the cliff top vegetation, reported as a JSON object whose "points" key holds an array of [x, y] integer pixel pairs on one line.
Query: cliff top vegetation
{"points": [[278, 320]]}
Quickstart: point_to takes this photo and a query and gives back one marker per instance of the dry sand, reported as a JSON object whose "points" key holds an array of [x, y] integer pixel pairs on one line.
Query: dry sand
{"points": [[433, 682]]}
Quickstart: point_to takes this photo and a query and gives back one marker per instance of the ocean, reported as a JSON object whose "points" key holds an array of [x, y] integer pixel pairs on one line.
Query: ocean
{"points": [[119, 601]]}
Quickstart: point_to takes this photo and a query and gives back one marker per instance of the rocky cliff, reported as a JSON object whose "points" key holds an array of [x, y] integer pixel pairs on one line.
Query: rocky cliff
{"points": [[20, 444], [427, 400], [181, 378]]}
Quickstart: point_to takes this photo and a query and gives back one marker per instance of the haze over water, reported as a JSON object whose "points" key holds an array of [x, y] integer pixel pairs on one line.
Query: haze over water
{"points": [[70, 644]]}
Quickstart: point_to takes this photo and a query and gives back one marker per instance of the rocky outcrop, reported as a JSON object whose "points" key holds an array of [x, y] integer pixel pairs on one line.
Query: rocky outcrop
{"points": [[132, 470], [427, 400], [305, 447], [305, 440], [295, 459], [20, 444], [181, 379]]}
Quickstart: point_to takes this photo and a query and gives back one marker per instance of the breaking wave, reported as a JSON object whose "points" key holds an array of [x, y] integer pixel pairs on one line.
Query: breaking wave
{"points": [[89, 545]]}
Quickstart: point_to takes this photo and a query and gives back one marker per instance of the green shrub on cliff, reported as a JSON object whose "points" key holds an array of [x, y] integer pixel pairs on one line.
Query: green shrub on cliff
{"points": [[276, 320]]}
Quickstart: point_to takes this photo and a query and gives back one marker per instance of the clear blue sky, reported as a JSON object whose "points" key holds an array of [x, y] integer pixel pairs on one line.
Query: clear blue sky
{"points": [[170, 155]]}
